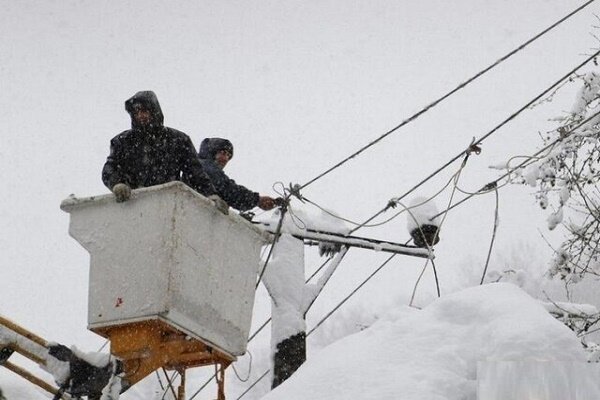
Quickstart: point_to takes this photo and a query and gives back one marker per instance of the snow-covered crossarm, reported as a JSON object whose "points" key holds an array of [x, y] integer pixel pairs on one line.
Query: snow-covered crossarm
{"points": [[355, 241], [327, 228]]}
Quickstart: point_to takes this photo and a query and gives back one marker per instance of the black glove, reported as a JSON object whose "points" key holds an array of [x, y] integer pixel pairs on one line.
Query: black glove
{"points": [[280, 201], [220, 204], [329, 249], [122, 192]]}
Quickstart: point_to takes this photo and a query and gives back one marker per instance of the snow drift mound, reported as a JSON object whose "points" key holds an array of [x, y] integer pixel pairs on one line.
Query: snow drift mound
{"points": [[432, 353]]}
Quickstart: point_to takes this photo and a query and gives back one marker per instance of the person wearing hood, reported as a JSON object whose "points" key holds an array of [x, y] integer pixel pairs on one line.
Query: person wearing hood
{"points": [[151, 154], [214, 155]]}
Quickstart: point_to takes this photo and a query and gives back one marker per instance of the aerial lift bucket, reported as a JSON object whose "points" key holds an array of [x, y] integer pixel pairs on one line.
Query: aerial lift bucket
{"points": [[172, 279]]}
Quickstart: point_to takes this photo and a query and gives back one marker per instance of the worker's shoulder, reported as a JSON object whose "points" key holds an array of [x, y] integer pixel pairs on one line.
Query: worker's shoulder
{"points": [[122, 136], [210, 166], [177, 133]]}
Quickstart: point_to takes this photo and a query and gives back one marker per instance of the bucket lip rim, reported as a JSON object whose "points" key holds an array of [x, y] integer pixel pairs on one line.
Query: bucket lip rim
{"points": [[73, 202]]}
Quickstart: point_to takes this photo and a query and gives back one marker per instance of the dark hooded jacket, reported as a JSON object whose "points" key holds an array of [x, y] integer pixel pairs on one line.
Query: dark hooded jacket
{"points": [[236, 196], [153, 154]]}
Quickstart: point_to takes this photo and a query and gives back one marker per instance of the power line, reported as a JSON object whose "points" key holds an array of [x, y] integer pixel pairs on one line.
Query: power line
{"points": [[485, 188], [473, 143], [455, 180], [329, 314], [169, 383], [495, 229], [455, 186], [203, 386], [405, 209], [480, 140], [355, 290], [450, 93], [319, 269], [254, 384], [341, 303], [352, 293], [415, 116], [490, 186], [445, 212], [275, 240], [493, 186], [259, 330]]}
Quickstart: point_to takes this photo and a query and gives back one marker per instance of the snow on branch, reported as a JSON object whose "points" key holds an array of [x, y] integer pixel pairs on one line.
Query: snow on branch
{"points": [[561, 309], [565, 177]]}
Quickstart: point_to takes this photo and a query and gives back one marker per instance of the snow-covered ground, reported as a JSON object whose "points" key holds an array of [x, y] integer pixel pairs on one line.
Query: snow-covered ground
{"points": [[433, 353], [480, 339]]}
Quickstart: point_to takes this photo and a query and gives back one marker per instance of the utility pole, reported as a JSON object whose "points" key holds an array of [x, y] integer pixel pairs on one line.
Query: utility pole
{"points": [[291, 297], [284, 280]]}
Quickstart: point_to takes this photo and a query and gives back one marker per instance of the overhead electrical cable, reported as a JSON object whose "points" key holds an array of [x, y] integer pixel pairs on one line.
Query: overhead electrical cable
{"points": [[203, 386], [455, 177], [355, 290], [480, 140], [392, 202], [275, 240], [169, 383], [264, 324], [253, 384], [483, 189], [337, 307], [297, 188], [439, 227], [329, 314], [403, 210], [490, 186], [450, 93], [494, 230]]}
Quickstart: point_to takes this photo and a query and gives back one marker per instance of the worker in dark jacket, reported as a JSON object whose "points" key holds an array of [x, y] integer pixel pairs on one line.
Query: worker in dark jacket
{"points": [[214, 154], [151, 154]]}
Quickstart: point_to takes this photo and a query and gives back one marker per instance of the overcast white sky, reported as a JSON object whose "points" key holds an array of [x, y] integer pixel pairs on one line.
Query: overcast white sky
{"points": [[296, 86]]}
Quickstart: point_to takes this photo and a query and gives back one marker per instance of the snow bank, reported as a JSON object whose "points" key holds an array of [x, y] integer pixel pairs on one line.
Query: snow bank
{"points": [[539, 380], [432, 353]]}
